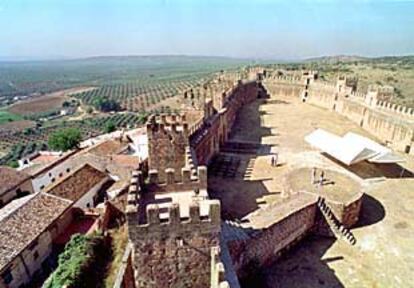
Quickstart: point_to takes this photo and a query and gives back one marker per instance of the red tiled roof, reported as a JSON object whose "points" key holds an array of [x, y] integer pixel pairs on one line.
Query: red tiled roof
{"points": [[26, 223], [77, 184], [10, 178]]}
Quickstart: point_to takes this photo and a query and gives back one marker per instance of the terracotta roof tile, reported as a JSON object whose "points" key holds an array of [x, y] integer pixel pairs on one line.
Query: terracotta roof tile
{"points": [[23, 225], [10, 178], [76, 184]]}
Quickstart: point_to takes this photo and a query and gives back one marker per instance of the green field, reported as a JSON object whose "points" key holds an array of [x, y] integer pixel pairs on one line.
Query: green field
{"points": [[6, 117]]}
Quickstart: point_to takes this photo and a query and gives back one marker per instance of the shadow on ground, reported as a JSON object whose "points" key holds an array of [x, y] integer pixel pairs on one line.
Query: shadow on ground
{"points": [[302, 267], [367, 170], [372, 211]]}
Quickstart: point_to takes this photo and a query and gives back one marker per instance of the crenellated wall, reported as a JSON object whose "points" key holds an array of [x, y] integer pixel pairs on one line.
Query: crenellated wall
{"points": [[214, 131], [167, 141], [172, 247], [390, 123]]}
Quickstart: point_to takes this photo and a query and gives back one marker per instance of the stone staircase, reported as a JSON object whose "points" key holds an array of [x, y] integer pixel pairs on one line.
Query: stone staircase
{"points": [[339, 230]]}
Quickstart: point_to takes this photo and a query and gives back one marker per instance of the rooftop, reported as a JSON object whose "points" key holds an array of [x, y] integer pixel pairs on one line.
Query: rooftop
{"points": [[10, 178], [76, 184], [109, 147], [23, 225]]}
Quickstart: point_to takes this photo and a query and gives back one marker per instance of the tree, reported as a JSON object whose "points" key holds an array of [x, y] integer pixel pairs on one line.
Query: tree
{"points": [[109, 127], [64, 139], [105, 105]]}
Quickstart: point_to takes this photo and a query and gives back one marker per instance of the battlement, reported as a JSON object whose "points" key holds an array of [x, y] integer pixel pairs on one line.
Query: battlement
{"points": [[165, 123], [287, 79], [217, 270], [174, 214], [191, 179], [394, 108]]}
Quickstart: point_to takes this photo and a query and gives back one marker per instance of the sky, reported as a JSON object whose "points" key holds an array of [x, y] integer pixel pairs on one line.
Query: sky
{"points": [[283, 30]]}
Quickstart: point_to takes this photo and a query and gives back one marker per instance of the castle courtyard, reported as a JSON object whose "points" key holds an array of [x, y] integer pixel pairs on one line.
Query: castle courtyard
{"points": [[246, 183]]}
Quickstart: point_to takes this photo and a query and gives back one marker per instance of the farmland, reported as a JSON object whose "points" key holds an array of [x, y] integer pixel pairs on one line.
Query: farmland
{"points": [[22, 143], [33, 93], [6, 116]]}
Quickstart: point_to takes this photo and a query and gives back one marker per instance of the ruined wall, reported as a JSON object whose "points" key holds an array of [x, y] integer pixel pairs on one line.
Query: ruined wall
{"points": [[346, 213], [269, 244]]}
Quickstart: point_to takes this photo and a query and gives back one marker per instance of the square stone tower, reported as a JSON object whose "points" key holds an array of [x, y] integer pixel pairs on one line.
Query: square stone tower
{"points": [[167, 141], [173, 227]]}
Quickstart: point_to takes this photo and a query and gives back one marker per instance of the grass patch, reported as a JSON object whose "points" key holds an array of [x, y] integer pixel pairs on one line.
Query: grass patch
{"points": [[119, 243], [6, 117]]}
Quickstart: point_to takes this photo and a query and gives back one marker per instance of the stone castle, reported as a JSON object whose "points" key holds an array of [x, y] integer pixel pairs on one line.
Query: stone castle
{"points": [[177, 235]]}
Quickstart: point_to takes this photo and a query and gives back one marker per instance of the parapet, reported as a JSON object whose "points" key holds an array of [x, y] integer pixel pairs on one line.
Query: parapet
{"points": [[394, 108], [217, 270], [167, 123], [154, 221], [191, 178]]}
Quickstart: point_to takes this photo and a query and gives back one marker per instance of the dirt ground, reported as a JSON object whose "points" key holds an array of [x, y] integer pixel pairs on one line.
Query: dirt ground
{"points": [[44, 103], [384, 253]]}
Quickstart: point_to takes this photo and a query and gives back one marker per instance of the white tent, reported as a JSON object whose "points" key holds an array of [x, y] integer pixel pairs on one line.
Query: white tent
{"points": [[351, 148], [384, 154]]}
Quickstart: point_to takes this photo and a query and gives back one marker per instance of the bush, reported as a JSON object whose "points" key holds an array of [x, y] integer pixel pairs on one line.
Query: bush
{"points": [[65, 139], [76, 262], [109, 127]]}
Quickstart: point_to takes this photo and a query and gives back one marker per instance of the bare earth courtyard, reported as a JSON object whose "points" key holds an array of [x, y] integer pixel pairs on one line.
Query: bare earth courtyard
{"points": [[245, 182]]}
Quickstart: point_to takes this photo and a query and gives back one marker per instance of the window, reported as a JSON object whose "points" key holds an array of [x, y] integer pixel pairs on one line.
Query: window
{"points": [[60, 174], [68, 170], [42, 187], [7, 276], [50, 174], [53, 180]]}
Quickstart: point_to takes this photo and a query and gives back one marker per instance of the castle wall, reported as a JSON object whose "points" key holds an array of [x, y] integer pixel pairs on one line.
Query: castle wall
{"points": [[174, 252], [287, 88], [208, 138], [390, 123], [269, 244]]}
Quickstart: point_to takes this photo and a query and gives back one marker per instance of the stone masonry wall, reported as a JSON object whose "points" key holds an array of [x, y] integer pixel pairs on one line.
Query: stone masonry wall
{"points": [[177, 252], [270, 243], [391, 124], [207, 139], [167, 140]]}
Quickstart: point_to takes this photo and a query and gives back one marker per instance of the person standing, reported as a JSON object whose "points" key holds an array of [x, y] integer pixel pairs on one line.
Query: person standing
{"points": [[276, 158], [272, 161], [322, 177]]}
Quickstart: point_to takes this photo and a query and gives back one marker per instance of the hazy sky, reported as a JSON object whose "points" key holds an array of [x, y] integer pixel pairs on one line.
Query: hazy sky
{"points": [[240, 28]]}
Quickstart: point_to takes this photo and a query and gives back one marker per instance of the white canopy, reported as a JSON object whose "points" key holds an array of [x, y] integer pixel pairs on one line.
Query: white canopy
{"points": [[351, 148]]}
